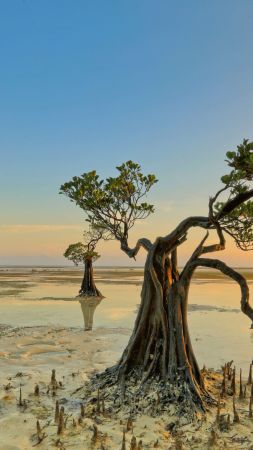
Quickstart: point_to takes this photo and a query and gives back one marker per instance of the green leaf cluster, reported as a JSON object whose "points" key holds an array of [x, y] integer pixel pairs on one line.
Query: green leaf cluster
{"points": [[239, 222], [113, 204], [241, 162], [78, 253]]}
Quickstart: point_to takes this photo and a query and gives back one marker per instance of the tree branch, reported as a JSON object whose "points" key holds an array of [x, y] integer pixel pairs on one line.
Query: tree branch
{"points": [[200, 250], [182, 228], [132, 252], [215, 247], [213, 199], [236, 276], [187, 270], [230, 205], [206, 222]]}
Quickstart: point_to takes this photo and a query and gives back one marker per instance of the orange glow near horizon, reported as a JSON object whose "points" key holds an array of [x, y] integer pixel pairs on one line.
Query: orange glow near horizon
{"points": [[42, 242]]}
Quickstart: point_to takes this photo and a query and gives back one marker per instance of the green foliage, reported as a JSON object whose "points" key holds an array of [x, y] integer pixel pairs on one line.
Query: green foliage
{"points": [[241, 162], [113, 204], [79, 253], [82, 251], [239, 222]]}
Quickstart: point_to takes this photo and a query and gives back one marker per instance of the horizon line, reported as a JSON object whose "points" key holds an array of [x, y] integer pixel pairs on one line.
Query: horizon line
{"points": [[100, 266]]}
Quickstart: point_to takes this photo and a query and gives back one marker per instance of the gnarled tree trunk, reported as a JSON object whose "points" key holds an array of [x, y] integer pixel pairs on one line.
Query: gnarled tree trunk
{"points": [[160, 346], [88, 287]]}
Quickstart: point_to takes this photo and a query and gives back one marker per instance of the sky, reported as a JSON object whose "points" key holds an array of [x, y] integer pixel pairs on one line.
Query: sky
{"points": [[87, 85]]}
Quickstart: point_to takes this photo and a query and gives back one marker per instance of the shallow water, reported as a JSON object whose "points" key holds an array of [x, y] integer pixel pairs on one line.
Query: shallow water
{"points": [[219, 331]]}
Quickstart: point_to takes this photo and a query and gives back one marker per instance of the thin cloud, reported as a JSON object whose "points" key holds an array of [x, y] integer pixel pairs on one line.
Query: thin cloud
{"points": [[20, 228]]}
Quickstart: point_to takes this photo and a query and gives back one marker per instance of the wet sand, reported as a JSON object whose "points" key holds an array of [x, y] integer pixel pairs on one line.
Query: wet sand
{"points": [[28, 356], [38, 334], [43, 296]]}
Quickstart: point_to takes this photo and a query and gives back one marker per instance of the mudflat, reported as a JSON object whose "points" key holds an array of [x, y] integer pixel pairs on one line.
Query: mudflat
{"points": [[42, 330]]}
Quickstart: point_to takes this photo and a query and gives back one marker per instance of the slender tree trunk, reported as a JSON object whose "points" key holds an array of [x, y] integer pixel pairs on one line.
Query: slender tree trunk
{"points": [[88, 287]]}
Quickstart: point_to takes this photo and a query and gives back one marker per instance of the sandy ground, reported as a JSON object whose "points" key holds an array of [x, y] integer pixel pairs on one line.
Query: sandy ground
{"points": [[55, 340], [27, 358]]}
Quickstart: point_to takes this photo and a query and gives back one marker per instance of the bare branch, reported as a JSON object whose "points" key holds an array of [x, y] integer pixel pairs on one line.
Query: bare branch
{"points": [[183, 227], [236, 276], [213, 199], [187, 271], [215, 247], [132, 252], [201, 249]]}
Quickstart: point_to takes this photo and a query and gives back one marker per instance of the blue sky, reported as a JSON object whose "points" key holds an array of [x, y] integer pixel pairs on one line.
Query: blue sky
{"points": [[88, 85]]}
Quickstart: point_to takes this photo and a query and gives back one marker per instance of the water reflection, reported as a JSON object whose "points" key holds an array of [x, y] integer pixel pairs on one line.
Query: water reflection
{"points": [[88, 306]]}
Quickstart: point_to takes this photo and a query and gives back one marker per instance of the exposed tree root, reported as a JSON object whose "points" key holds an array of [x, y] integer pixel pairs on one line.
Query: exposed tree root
{"points": [[152, 397], [90, 293]]}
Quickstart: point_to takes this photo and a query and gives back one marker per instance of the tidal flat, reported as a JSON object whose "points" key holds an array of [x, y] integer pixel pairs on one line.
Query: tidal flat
{"points": [[42, 329]]}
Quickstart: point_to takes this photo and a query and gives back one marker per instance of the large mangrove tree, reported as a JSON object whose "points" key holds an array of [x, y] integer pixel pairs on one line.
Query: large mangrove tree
{"points": [[160, 348]]}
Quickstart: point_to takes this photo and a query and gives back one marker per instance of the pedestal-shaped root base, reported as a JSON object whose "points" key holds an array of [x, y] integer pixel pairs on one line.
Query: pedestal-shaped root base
{"points": [[88, 294], [152, 398]]}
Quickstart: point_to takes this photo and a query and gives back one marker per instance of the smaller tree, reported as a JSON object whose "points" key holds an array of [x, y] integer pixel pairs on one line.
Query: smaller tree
{"points": [[84, 253]]}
